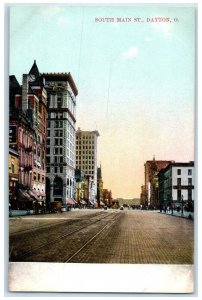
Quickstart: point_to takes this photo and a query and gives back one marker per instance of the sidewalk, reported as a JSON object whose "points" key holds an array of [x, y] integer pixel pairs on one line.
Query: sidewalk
{"points": [[186, 214], [18, 212]]}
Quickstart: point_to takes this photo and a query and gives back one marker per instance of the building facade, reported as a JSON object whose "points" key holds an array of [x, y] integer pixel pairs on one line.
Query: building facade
{"points": [[82, 188], [21, 137], [143, 196], [60, 151], [107, 197], [150, 192], [176, 186], [13, 161], [86, 158], [34, 83], [99, 186]]}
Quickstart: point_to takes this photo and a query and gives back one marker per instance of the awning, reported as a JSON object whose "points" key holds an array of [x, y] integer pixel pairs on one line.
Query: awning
{"points": [[33, 195], [70, 201], [24, 196], [36, 193], [83, 202], [91, 202]]}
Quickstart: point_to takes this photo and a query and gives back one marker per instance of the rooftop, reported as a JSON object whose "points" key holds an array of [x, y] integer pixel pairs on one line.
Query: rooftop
{"points": [[79, 131], [62, 76]]}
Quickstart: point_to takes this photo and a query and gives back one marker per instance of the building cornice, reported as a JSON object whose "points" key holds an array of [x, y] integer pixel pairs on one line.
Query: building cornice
{"points": [[60, 77]]}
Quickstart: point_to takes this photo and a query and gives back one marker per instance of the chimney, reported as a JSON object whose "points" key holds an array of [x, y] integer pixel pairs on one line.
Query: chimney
{"points": [[24, 92]]}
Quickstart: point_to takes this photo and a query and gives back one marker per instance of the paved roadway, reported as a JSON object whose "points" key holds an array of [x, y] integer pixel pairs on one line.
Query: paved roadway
{"points": [[129, 236]]}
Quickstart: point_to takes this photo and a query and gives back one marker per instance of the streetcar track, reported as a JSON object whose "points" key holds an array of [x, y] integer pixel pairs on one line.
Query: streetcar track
{"points": [[27, 253], [67, 220], [92, 239]]}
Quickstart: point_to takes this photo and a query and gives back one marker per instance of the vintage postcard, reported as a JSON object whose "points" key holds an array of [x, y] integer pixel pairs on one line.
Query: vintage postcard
{"points": [[101, 148]]}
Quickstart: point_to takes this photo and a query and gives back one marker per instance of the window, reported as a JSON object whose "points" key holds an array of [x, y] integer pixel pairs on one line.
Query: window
{"points": [[13, 168], [58, 115], [189, 171], [47, 150], [59, 102], [189, 181], [48, 159], [58, 133], [58, 124], [48, 169], [55, 150], [55, 169], [178, 171], [61, 159], [61, 169], [178, 181]]}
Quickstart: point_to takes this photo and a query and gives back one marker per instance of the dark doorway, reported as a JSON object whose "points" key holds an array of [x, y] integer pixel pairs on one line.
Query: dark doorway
{"points": [[58, 187]]}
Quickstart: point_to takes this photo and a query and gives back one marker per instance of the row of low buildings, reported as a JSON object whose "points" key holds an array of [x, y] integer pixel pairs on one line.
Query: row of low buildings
{"points": [[168, 184], [49, 161]]}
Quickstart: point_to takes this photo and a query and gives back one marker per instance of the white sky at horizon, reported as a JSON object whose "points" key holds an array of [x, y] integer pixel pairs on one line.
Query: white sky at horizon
{"points": [[136, 81]]}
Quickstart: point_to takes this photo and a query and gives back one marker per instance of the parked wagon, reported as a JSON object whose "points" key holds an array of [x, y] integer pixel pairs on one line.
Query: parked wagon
{"points": [[55, 206]]}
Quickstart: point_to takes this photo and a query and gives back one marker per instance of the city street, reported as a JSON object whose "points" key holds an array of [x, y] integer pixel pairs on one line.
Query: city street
{"points": [[102, 236]]}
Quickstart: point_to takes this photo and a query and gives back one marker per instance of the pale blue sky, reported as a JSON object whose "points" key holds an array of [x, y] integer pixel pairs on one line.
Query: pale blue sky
{"points": [[136, 80]]}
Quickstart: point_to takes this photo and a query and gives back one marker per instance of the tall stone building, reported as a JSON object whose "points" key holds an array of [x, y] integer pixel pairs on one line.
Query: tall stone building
{"points": [[60, 152], [86, 158]]}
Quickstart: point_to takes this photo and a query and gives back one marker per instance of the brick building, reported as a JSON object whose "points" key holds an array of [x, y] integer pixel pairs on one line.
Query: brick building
{"points": [[13, 161], [150, 191], [37, 101], [21, 135], [27, 134]]}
